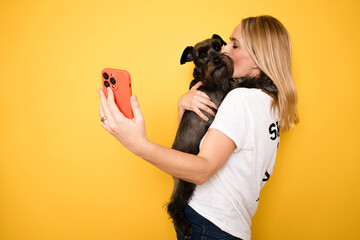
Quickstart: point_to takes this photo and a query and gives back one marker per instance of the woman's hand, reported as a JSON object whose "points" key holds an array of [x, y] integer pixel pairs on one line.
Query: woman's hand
{"points": [[194, 100], [130, 132]]}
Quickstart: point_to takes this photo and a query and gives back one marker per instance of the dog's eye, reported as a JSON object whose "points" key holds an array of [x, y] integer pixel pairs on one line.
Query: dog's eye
{"points": [[202, 54], [217, 47]]}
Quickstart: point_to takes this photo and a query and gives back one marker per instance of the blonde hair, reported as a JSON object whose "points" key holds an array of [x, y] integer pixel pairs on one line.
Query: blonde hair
{"points": [[268, 43]]}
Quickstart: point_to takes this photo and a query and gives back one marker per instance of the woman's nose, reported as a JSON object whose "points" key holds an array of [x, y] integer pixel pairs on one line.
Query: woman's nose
{"points": [[224, 49]]}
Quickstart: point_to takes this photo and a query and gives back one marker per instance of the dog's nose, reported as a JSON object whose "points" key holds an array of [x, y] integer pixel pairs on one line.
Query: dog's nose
{"points": [[217, 61]]}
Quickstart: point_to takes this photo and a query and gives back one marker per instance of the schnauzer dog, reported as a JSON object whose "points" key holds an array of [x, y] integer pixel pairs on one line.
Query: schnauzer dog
{"points": [[214, 69]]}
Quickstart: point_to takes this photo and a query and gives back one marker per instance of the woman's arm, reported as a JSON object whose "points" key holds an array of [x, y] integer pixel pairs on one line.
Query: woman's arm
{"points": [[215, 150], [194, 100]]}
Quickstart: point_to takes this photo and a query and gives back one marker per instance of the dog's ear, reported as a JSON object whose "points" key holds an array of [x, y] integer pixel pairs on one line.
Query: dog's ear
{"points": [[187, 55], [215, 36]]}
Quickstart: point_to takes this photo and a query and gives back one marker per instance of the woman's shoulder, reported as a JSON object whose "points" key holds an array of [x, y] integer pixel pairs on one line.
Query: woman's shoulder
{"points": [[251, 100], [247, 94]]}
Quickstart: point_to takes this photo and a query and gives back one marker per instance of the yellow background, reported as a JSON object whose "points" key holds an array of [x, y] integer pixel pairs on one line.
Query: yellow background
{"points": [[63, 177]]}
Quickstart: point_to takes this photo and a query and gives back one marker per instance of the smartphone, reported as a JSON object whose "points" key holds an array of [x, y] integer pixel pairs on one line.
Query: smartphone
{"points": [[119, 81]]}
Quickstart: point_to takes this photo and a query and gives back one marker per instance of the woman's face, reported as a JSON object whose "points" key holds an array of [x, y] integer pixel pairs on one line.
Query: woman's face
{"points": [[243, 63]]}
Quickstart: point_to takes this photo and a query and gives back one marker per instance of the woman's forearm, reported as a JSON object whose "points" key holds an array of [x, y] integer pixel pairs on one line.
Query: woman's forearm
{"points": [[215, 150], [188, 167]]}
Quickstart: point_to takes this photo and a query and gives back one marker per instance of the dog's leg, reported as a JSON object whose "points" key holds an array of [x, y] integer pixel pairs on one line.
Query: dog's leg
{"points": [[176, 208], [191, 129]]}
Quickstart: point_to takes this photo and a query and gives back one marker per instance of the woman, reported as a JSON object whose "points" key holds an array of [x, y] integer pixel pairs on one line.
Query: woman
{"points": [[238, 152]]}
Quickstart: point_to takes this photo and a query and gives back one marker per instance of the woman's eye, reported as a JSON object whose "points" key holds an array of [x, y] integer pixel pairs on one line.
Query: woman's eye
{"points": [[234, 46]]}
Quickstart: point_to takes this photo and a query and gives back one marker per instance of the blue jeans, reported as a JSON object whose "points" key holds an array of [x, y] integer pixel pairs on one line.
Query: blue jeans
{"points": [[203, 229]]}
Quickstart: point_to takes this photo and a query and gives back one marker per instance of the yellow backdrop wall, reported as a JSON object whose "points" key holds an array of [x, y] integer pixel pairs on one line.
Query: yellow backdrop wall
{"points": [[63, 177]]}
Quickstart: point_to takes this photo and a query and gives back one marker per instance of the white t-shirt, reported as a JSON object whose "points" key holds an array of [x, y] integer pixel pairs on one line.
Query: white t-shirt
{"points": [[230, 197]]}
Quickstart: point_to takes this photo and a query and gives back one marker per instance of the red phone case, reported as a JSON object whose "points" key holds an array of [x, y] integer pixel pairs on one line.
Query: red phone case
{"points": [[120, 83]]}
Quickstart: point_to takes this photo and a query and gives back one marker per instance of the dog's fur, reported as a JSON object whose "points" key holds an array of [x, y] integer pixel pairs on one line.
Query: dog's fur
{"points": [[214, 70]]}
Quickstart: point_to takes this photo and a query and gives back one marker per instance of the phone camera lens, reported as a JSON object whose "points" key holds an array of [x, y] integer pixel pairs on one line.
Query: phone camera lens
{"points": [[107, 84], [112, 80], [106, 76]]}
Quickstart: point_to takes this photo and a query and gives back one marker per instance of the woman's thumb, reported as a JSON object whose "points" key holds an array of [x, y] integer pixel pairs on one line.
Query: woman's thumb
{"points": [[136, 108]]}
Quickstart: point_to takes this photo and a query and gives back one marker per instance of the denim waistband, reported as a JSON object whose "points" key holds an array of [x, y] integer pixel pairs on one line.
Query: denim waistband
{"points": [[204, 229]]}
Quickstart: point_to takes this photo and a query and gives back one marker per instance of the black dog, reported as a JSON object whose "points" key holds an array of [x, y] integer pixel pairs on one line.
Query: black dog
{"points": [[214, 70]]}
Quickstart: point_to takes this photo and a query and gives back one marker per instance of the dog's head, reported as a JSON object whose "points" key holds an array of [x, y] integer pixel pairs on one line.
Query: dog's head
{"points": [[212, 67]]}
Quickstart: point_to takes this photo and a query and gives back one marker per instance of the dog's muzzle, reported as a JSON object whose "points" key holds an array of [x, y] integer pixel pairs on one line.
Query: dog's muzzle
{"points": [[217, 62], [218, 70]]}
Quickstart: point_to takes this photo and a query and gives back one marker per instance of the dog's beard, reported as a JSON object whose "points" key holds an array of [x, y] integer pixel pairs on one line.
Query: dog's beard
{"points": [[217, 73]]}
